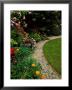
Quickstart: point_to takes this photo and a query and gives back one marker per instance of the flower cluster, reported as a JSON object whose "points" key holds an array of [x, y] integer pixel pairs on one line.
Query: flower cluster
{"points": [[38, 73], [12, 51]]}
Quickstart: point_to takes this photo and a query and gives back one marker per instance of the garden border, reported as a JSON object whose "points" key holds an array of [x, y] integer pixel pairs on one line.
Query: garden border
{"points": [[2, 31]]}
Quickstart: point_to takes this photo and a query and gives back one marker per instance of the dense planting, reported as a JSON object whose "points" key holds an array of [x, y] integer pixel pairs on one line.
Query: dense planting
{"points": [[23, 66]]}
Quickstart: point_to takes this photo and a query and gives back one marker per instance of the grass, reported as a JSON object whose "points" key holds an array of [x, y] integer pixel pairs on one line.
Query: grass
{"points": [[52, 52]]}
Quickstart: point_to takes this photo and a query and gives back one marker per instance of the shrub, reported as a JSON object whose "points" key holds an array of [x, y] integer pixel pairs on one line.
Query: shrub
{"points": [[36, 36], [14, 34], [44, 37], [13, 43], [16, 38]]}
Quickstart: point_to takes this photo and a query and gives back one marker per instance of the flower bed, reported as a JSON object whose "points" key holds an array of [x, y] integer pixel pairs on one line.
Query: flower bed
{"points": [[23, 66]]}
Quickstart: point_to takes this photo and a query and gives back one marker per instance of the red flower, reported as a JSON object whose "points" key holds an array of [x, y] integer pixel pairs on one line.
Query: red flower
{"points": [[12, 51]]}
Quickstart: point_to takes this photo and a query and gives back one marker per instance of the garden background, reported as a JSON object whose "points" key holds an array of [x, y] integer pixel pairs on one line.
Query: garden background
{"points": [[29, 29]]}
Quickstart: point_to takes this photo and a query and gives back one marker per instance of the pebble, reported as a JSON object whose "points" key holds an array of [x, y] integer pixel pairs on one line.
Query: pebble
{"points": [[46, 68]]}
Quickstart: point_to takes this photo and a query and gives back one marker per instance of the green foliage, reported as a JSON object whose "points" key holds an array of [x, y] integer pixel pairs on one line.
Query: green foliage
{"points": [[44, 37], [29, 71], [13, 43], [16, 38], [52, 52], [36, 36], [16, 71], [14, 34], [22, 53], [24, 70], [18, 14], [23, 13]]}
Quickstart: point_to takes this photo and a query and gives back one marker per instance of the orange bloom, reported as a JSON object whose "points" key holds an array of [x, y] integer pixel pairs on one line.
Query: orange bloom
{"points": [[33, 65], [42, 76]]}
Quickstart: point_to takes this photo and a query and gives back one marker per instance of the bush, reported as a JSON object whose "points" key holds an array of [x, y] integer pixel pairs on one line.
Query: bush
{"points": [[15, 37], [44, 37], [36, 36], [13, 43], [14, 34]]}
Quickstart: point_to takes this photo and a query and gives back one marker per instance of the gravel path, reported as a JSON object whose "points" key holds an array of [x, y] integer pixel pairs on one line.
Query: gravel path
{"points": [[47, 70]]}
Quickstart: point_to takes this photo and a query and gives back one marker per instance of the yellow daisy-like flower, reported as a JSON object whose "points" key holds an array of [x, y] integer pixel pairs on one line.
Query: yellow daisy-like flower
{"points": [[33, 65], [37, 73]]}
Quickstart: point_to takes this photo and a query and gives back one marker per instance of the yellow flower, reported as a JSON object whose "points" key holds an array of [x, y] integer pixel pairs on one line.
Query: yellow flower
{"points": [[37, 73], [42, 76], [33, 65]]}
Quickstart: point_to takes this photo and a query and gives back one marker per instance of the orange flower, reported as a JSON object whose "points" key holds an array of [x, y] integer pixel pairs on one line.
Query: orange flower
{"points": [[42, 76], [37, 73], [33, 65]]}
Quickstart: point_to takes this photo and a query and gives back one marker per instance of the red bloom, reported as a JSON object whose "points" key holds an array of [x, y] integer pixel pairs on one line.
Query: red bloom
{"points": [[12, 51]]}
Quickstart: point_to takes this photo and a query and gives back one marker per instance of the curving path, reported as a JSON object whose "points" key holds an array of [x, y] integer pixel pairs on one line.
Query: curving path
{"points": [[47, 70]]}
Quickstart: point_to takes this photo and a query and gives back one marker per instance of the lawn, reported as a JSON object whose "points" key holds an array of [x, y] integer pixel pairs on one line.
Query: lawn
{"points": [[52, 52]]}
